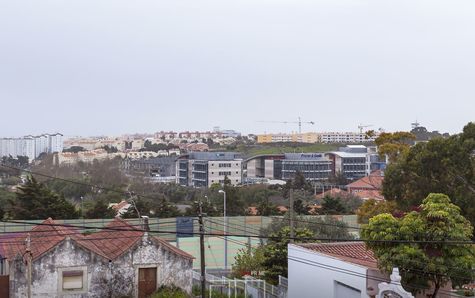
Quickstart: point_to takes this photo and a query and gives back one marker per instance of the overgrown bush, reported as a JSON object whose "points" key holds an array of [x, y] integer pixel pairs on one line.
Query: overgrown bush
{"points": [[170, 292]]}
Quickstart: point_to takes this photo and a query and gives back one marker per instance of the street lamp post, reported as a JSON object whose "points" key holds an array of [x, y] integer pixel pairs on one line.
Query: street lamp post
{"points": [[82, 209], [225, 232]]}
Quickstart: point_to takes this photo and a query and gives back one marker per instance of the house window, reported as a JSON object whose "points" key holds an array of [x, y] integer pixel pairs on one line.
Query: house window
{"points": [[72, 279]]}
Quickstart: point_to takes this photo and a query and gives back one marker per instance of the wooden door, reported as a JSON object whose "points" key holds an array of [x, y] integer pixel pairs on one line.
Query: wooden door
{"points": [[4, 286], [147, 281]]}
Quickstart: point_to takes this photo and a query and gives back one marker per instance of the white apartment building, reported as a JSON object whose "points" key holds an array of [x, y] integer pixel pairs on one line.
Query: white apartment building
{"points": [[31, 146], [346, 137], [307, 137], [55, 143], [41, 144]]}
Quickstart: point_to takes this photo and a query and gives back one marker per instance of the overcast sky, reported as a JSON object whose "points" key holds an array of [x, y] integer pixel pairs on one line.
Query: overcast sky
{"points": [[86, 67]]}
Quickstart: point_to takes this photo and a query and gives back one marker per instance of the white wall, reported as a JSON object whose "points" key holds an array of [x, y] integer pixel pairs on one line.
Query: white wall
{"points": [[307, 281], [269, 169]]}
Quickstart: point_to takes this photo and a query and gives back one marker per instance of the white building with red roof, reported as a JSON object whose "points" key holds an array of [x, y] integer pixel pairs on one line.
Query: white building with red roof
{"points": [[338, 269], [119, 260]]}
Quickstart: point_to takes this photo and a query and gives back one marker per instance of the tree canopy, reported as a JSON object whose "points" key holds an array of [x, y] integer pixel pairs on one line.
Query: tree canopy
{"points": [[441, 165], [74, 149], [332, 205], [100, 209], [275, 252], [394, 144], [34, 200], [426, 260], [372, 207]]}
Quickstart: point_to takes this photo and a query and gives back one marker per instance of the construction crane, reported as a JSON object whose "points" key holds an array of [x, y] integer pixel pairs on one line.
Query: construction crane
{"points": [[415, 124], [362, 126], [291, 122]]}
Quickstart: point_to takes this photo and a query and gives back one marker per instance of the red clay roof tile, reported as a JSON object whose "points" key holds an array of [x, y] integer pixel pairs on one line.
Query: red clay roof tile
{"points": [[110, 243], [352, 252], [373, 181]]}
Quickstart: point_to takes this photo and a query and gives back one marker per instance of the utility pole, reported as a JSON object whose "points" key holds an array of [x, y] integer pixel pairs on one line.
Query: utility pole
{"points": [[29, 259], [225, 222], [291, 213], [202, 252]]}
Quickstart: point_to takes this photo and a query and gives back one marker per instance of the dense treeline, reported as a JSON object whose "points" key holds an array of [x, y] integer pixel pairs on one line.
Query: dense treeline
{"points": [[441, 165]]}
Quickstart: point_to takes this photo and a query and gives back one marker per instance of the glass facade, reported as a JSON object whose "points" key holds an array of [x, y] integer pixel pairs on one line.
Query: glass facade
{"points": [[200, 174], [354, 167], [183, 172], [311, 169]]}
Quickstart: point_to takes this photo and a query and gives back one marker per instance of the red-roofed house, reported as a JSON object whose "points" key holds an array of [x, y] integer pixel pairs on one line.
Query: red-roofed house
{"points": [[333, 192], [368, 187], [118, 261], [120, 208], [338, 269]]}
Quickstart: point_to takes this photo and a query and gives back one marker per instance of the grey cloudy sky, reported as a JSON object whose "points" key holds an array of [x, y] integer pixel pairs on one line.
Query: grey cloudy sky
{"points": [[86, 67]]}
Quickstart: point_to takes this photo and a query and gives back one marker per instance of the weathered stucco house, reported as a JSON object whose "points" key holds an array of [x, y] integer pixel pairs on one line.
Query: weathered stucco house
{"points": [[118, 261]]}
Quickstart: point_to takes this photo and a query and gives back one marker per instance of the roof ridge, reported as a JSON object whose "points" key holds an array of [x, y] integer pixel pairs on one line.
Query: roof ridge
{"points": [[332, 243], [119, 219]]}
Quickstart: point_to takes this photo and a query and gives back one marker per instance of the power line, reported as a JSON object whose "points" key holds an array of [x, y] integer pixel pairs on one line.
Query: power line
{"points": [[344, 225], [243, 228], [445, 242], [26, 224]]}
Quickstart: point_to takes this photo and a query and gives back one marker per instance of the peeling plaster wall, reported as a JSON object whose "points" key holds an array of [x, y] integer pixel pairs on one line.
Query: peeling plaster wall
{"points": [[118, 278]]}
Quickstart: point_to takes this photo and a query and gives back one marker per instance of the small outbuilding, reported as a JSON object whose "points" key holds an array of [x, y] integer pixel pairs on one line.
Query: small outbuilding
{"points": [[120, 260]]}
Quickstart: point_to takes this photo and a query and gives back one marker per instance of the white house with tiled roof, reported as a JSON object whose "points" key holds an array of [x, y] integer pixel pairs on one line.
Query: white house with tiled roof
{"points": [[334, 270]]}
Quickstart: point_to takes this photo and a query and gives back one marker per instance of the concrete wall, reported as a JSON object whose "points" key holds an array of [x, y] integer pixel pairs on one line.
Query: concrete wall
{"points": [[117, 278], [311, 280]]}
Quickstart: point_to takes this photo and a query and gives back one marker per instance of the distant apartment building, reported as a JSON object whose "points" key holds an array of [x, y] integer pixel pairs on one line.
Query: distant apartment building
{"points": [[229, 133], [346, 137], [71, 158], [314, 137], [193, 147], [31, 146], [55, 143], [309, 137], [197, 135], [94, 143], [202, 169], [41, 144], [166, 135]]}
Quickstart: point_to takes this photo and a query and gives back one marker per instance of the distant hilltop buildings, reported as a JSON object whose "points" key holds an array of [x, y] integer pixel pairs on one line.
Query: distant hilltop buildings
{"points": [[31, 146], [217, 133], [203, 169], [318, 137]]}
